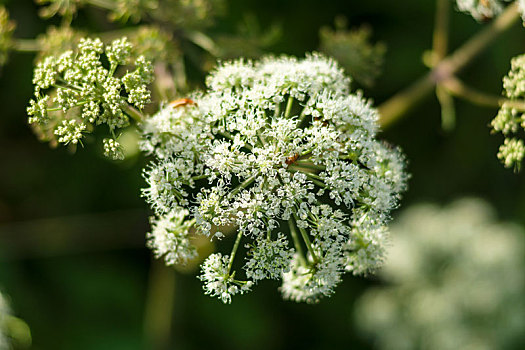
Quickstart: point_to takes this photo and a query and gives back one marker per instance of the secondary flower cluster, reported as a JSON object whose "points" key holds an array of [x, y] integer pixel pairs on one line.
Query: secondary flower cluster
{"points": [[280, 151], [455, 280], [511, 116], [78, 90]]}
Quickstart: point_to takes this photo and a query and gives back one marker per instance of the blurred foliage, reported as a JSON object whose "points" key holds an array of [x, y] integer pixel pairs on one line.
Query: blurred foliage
{"points": [[361, 59], [72, 245], [7, 27], [13, 331]]}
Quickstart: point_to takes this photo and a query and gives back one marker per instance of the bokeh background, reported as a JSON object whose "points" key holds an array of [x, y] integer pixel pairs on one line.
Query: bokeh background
{"points": [[73, 259]]}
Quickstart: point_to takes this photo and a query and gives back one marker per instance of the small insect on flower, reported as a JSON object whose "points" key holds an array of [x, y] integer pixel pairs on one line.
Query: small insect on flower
{"points": [[181, 102], [292, 159]]}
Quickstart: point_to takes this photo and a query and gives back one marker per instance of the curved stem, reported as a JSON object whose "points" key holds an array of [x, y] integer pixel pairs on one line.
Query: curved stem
{"points": [[402, 102]]}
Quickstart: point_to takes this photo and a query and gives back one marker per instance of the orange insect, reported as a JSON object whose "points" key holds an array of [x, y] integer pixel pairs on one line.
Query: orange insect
{"points": [[291, 159], [181, 102]]}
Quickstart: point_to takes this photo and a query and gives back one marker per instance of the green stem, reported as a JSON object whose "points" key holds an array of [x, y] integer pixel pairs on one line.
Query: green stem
{"points": [[203, 41], [133, 113], [317, 180], [308, 164], [296, 242], [440, 39], [288, 109], [306, 240], [26, 45], [199, 177], [402, 102], [459, 89], [448, 111], [234, 251], [302, 116], [243, 185], [230, 137], [54, 109]]}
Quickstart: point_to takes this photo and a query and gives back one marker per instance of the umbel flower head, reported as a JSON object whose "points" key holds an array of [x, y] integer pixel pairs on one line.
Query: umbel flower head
{"points": [[80, 89], [454, 279], [511, 116], [281, 151]]}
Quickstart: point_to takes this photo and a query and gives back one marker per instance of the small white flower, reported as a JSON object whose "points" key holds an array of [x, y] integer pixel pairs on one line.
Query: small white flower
{"points": [[113, 149], [169, 237], [70, 131], [217, 280]]}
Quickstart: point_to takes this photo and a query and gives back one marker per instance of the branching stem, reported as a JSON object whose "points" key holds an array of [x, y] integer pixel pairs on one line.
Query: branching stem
{"points": [[402, 102]]}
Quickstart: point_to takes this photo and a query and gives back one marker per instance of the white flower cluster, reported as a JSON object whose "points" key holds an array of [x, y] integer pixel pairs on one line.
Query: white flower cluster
{"points": [[77, 90], [454, 278], [282, 151], [511, 117], [483, 10]]}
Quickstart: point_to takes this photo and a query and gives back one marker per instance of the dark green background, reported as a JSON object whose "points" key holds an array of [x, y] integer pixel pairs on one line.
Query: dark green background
{"points": [[72, 253]]}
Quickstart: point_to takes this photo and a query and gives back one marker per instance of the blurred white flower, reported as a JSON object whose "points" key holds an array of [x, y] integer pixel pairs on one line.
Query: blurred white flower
{"points": [[455, 279]]}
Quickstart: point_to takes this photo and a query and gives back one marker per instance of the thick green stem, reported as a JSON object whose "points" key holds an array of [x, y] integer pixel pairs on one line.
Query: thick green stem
{"points": [[289, 105], [296, 242], [402, 102]]}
